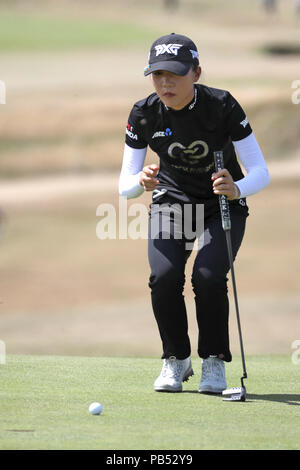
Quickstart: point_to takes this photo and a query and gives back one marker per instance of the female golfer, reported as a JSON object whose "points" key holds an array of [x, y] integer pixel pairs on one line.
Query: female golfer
{"points": [[184, 123]]}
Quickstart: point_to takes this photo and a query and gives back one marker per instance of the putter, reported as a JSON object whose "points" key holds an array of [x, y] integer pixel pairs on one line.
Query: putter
{"points": [[235, 393]]}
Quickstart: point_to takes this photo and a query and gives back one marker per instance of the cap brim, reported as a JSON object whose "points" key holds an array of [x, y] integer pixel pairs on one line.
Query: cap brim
{"points": [[179, 68]]}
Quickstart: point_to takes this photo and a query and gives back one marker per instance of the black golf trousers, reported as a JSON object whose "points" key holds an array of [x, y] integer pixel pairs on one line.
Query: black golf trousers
{"points": [[168, 254]]}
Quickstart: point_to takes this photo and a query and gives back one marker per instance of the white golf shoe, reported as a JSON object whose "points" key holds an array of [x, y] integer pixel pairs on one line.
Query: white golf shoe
{"points": [[213, 375], [174, 372]]}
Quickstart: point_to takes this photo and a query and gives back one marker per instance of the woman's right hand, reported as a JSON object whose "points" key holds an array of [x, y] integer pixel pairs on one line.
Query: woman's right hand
{"points": [[148, 177]]}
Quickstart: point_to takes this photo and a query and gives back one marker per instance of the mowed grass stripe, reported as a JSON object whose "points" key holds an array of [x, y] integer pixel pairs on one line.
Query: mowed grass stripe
{"points": [[45, 399], [33, 32]]}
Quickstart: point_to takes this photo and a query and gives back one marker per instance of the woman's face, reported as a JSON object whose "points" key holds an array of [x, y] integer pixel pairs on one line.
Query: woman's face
{"points": [[175, 91]]}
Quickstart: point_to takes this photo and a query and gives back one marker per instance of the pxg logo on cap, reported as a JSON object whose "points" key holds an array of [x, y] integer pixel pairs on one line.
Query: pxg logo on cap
{"points": [[167, 49], [175, 53]]}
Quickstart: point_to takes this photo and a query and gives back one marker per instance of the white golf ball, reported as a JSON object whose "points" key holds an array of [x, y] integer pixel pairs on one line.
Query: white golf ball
{"points": [[95, 408]]}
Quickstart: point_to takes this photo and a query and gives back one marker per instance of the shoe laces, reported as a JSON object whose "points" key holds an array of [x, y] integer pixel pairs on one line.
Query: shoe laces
{"points": [[172, 368], [212, 367]]}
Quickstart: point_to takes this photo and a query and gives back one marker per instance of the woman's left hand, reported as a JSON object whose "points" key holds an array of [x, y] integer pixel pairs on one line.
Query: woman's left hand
{"points": [[224, 184]]}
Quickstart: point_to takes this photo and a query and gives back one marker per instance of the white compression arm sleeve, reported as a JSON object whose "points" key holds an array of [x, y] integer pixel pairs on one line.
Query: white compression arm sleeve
{"points": [[133, 163], [251, 157]]}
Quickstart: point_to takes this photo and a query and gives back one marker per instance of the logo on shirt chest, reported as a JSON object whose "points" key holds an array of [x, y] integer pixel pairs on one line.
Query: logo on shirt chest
{"points": [[165, 133], [190, 154]]}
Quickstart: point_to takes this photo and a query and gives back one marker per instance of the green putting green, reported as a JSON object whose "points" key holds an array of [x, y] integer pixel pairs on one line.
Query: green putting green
{"points": [[45, 399]]}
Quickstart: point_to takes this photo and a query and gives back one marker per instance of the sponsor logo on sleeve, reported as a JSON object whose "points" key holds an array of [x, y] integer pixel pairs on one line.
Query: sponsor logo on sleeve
{"points": [[244, 122], [131, 132]]}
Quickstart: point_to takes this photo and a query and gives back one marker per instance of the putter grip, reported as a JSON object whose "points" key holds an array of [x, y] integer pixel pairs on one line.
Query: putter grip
{"points": [[224, 204]]}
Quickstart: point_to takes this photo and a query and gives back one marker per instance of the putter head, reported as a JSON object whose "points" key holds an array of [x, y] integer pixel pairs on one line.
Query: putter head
{"points": [[234, 394]]}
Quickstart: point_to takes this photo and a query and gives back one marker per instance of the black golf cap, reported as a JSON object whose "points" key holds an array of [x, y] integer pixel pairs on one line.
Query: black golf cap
{"points": [[174, 52]]}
